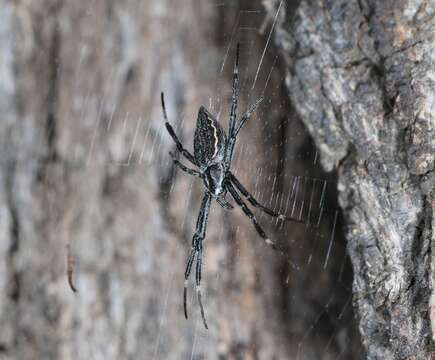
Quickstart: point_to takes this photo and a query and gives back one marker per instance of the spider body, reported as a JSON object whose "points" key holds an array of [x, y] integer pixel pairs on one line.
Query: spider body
{"points": [[213, 152]]}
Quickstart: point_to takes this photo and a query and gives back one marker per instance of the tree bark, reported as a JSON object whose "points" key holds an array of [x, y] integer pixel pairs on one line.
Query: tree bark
{"points": [[84, 160], [360, 75]]}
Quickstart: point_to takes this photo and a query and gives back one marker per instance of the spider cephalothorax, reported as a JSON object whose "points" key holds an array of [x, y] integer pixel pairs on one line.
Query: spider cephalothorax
{"points": [[213, 152]]}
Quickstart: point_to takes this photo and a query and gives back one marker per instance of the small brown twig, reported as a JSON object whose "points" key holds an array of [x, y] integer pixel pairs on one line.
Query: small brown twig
{"points": [[71, 262]]}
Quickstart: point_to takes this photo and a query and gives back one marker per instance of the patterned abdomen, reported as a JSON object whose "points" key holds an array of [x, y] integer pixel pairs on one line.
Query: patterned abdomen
{"points": [[209, 141]]}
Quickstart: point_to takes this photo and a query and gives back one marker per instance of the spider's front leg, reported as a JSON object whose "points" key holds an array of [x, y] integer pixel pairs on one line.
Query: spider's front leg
{"points": [[174, 136], [247, 115], [235, 131], [183, 167], [235, 94], [196, 254]]}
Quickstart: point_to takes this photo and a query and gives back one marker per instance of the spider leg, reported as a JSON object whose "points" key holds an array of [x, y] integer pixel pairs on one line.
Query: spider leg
{"points": [[196, 253], [186, 279], [198, 284], [171, 132], [247, 115], [183, 167], [251, 216], [255, 203], [235, 95], [223, 202], [233, 134]]}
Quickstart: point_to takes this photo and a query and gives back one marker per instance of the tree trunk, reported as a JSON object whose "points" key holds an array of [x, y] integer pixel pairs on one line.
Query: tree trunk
{"points": [[360, 75], [84, 161]]}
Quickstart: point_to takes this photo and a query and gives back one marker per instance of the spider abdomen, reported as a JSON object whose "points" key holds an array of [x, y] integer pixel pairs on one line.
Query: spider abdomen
{"points": [[209, 140]]}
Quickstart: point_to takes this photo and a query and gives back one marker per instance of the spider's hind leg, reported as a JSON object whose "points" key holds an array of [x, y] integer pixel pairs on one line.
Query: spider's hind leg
{"points": [[251, 216], [256, 204]]}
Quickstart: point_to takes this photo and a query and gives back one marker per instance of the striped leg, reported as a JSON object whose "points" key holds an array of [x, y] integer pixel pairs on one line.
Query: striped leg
{"points": [[247, 115], [171, 132], [251, 216], [235, 130], [235, 96], [183, 167], [255, 203], [196, 254]]}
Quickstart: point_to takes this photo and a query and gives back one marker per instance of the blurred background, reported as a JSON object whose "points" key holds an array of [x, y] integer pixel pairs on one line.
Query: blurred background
{"points": [[84, 161]]}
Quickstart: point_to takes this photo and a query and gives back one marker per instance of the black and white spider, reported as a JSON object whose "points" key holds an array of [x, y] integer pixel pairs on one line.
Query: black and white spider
{"points": [[213, 152]]}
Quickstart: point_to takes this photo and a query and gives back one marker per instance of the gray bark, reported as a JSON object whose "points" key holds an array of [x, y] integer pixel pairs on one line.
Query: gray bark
{"points": [[360, 75], [84, 160]]}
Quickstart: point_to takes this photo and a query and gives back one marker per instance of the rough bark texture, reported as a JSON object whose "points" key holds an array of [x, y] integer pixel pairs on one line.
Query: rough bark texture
{"points": [[361, 76], [84, 159]]}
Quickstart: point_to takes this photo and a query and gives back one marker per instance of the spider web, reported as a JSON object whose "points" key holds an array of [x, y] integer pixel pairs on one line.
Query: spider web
{"points": [[304, 196], [314, 279]]}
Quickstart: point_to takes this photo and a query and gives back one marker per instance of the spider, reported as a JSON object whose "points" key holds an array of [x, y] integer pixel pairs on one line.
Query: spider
{"points": [[212, 155]]}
